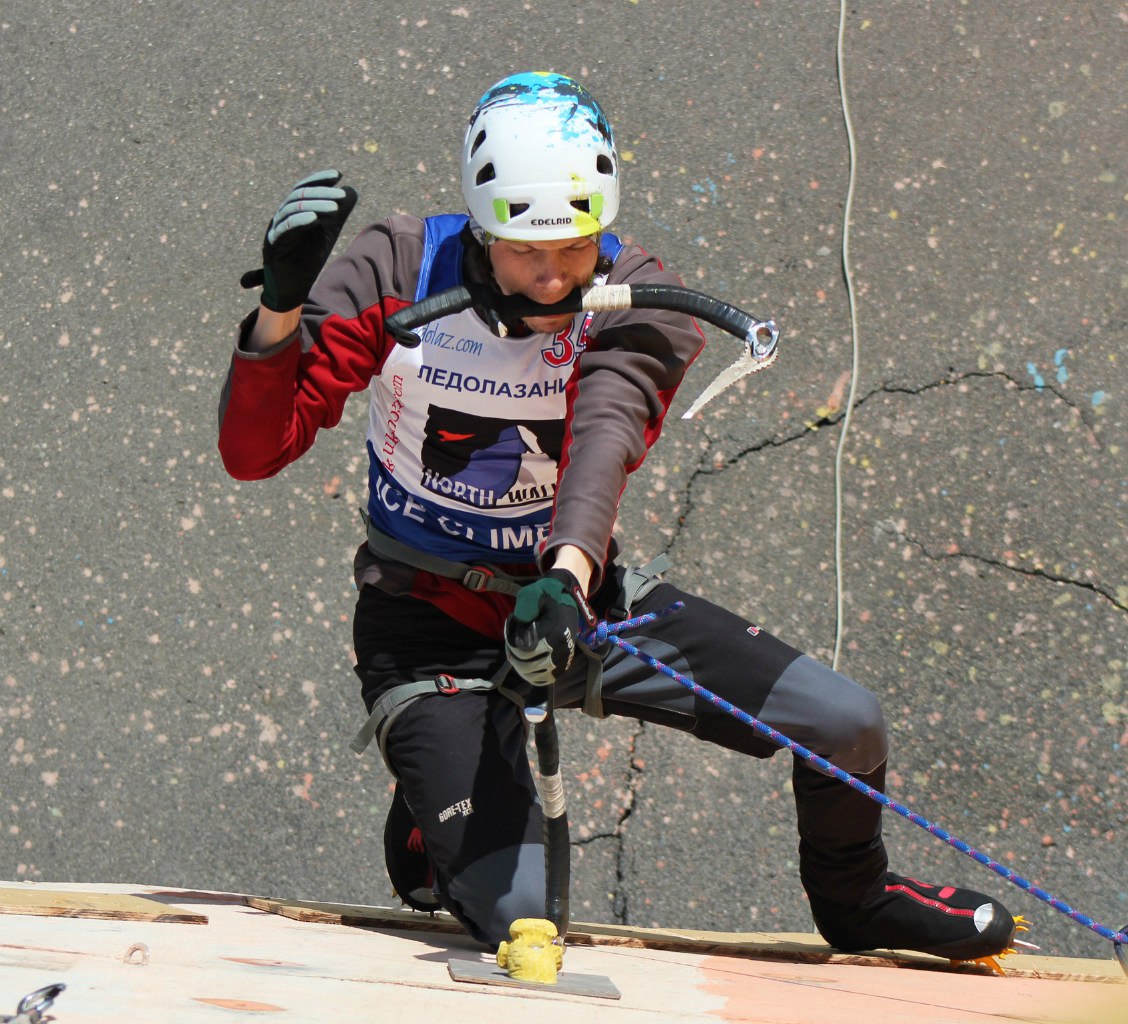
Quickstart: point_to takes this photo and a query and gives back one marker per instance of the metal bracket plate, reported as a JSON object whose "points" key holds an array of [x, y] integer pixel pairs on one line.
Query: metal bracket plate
{"points": [[477, 972]]}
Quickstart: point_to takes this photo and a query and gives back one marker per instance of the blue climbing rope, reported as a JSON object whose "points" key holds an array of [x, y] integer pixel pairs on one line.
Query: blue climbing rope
{"points": [[607, 632]]}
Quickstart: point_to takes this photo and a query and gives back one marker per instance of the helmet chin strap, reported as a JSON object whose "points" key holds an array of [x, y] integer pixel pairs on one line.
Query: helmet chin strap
{"points": [[485, 239]]}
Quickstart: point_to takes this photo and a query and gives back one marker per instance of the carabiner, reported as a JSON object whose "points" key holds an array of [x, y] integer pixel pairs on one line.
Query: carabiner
{"points": [[31, 1007]]}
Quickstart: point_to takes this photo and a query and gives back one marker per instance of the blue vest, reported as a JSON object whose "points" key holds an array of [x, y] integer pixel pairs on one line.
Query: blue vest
{"points": [[465, 431], [441, 267]]}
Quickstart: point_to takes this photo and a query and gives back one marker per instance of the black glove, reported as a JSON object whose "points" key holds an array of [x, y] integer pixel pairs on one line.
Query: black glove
{"points": [[299, 240], [542, 636]]}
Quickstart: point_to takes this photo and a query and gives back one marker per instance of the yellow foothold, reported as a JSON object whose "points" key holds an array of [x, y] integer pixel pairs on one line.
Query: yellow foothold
{"points": [[534, 952]]}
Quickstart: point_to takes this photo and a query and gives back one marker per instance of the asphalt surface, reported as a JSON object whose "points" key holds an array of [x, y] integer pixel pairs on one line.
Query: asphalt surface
{"points": [[175, 649]]}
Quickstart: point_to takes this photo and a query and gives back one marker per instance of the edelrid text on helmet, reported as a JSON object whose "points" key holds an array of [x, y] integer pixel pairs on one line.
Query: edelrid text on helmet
{"points": [[539, 160]]}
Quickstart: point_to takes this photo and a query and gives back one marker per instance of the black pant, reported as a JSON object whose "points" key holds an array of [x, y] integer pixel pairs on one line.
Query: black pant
{"points": [[463, 764]]}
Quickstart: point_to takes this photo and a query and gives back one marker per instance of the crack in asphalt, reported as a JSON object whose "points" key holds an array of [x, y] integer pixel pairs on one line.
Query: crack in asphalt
{"points": [[1084, 414], [620, 904], [1033, 573], [620, 908], [709, 466], [809, 427]]}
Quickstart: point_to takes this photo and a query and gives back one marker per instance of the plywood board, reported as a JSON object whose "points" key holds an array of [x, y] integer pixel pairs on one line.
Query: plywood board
{"points": [[248, 962], [105, 906], [795, 947]]}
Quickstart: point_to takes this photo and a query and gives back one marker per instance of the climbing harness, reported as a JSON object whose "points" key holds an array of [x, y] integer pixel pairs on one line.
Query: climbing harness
{"points": [[638, 581], [527, 960], [395, 701], [481, 576], [608, 632]]}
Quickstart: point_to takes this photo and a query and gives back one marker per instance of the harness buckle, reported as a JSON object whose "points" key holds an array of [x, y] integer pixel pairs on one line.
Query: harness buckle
{"points": [[446, 684], [477, 578]]}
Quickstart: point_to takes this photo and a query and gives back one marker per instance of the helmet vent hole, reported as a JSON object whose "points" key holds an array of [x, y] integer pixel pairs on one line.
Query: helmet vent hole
{"points": [[583, 205], [478, 140], [604, 165], [516, 209], [487, 173]]}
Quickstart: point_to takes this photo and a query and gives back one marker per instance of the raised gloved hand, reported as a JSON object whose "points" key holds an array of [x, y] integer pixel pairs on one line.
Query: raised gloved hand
{"points": [[542, 634], [299, 240]]}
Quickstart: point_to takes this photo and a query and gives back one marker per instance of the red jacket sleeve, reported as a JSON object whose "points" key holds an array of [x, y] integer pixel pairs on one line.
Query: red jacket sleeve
{"points": [[274, 402]]}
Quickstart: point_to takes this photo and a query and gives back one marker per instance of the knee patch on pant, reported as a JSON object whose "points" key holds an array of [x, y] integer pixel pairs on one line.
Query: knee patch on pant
{"points": [[493, 892], [829, 714]]}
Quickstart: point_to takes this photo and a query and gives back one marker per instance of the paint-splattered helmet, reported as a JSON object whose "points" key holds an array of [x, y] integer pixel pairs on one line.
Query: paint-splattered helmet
{"points": [[539, 160]]}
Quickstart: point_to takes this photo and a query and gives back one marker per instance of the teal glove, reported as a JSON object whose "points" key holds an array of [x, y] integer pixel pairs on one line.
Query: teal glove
{"points": [[542, 635], [300, 239]]}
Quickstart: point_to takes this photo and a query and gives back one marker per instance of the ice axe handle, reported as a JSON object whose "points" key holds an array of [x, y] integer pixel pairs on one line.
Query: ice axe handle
{"points": [[760, 335], [557, 847]]}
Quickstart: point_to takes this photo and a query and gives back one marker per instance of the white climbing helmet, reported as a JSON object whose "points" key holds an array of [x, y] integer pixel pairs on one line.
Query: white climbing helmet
{"points": [[539, 160]]}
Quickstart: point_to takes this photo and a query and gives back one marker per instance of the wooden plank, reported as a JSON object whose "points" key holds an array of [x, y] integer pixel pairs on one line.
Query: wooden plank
{"points": [[792, 947], [356, 916], [246, 963], [807, 947], [39, 902]]}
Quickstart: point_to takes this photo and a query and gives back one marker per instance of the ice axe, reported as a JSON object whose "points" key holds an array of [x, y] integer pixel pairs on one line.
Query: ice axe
{"points": [[760, 336]]}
